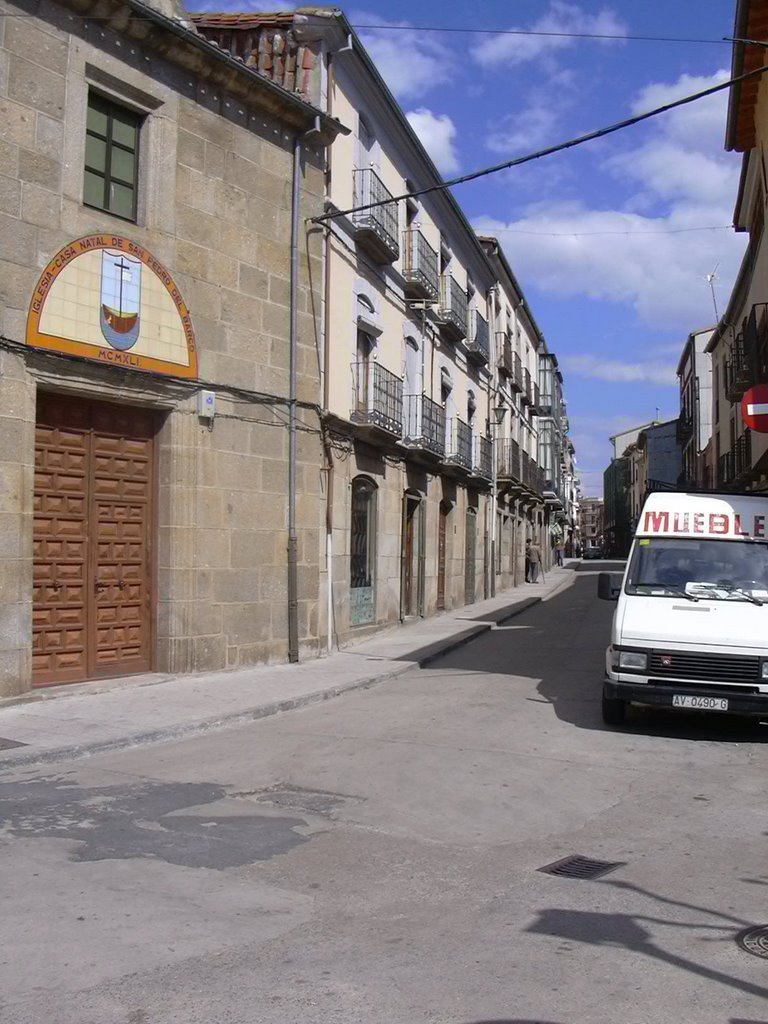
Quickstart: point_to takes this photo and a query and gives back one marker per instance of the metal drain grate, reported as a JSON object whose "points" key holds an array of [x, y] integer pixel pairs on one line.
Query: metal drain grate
{"points": [[576, 866], [754, 940], [7, 744]]}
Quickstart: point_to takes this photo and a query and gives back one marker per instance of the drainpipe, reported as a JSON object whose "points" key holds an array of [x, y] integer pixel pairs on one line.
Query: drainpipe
{"points": [[293, 542]]}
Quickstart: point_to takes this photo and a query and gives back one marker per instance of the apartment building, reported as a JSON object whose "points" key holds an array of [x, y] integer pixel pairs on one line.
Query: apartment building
{"points": [[655, 464], [591, 524], [430, 371], [694, 425], [737, 457], [146, 333], [520, 509]]}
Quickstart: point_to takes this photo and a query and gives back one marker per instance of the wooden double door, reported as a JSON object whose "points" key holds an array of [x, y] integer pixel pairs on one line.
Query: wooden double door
{"points": [[93, 533]]}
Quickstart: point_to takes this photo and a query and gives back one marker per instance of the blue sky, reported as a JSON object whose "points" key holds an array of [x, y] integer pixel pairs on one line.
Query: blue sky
{"points": [[600, 237]]}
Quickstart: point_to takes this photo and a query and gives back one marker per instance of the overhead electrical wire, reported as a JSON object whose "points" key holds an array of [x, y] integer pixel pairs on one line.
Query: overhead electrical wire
{"points": [[559, 147], [591, 234], [617, 36]]}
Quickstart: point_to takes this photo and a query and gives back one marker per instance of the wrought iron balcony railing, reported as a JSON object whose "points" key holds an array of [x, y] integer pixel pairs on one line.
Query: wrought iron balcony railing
{"points": [[424, 427], [516, 380], [684, 428], [508, 463], [482, 457], [377, 229], [452, 309], [504, 349], [478, 341], [739, 370], [420, 267], [378, 398], [525, 392], [458, 443]]}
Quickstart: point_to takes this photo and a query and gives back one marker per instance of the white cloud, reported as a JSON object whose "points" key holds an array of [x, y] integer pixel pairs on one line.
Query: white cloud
{"points": [[649, 252], [560, 17], [600, 368], [437, 134], [532, 128], [411, 63]]}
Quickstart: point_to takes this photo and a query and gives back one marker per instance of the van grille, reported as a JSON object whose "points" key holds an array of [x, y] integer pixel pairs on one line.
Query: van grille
{"points": [[721, 668]]}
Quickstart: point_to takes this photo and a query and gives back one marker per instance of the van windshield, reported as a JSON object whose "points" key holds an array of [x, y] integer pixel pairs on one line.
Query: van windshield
{"points": [[704, 570]]}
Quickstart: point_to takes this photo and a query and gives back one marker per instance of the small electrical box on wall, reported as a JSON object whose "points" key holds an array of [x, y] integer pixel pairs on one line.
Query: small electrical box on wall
{"points": [[206, 404]]}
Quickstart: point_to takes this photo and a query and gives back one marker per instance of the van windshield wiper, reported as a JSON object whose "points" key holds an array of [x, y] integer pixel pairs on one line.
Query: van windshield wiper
{"points": [[675, 591], [729, 588]]}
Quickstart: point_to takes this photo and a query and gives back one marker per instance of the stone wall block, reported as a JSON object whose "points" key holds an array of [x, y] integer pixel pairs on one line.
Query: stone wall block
{"points": [[276, 321], [236, 586], [18, 124], [253, 548], [196, 119], [18, 241], [253, 281], [244, 311], [49, 137], [10, 196], [28, 39], [246, 623], [15, 670], [190, 150], [9, 156], [40, 206], [35, 86]]}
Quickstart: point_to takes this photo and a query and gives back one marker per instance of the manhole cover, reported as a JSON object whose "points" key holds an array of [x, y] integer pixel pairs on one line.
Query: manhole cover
{"points": [[7, 744], [576, 866], [755, 940]]}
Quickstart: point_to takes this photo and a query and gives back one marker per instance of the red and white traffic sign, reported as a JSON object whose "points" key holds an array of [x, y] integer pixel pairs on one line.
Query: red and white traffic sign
{"points": [[754, 408]]}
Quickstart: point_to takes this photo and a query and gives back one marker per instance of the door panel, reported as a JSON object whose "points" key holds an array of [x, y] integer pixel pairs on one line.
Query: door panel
{"points": [[59, 643], [469, 557], [93, 532], [441, 542]]}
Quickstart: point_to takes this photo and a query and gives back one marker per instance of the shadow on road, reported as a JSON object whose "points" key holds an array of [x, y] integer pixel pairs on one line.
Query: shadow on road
{"points": [[629, 931], [559, 646]]}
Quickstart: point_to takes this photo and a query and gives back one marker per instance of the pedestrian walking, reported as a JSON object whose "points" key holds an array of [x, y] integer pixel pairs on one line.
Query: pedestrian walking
{"points": [[533, 552], [559, 553], [527, 561]]}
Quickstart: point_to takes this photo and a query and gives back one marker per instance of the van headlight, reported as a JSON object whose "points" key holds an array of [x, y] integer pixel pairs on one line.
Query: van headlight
{"points": [[634, 661], [764, 670]]}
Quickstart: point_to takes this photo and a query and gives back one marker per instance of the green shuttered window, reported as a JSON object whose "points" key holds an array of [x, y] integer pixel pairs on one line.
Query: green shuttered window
{"points": [[111, 157]]}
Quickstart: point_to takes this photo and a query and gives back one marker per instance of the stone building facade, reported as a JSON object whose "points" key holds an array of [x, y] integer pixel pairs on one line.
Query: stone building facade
{"points": [[146, 207]]}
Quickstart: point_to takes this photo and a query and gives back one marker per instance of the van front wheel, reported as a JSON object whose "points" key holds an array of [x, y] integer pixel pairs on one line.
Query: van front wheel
{"points": [[614, 711]]}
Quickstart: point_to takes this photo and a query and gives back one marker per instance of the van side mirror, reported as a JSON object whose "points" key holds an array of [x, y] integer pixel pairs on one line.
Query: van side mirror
{"points": [[609, 585]]}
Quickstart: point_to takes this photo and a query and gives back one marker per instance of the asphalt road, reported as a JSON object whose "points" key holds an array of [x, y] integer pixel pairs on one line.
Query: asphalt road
{"points": [[377, 858]]}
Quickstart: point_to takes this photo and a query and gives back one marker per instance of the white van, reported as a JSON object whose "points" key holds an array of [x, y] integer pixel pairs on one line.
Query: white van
{"points": [[691, 625]]}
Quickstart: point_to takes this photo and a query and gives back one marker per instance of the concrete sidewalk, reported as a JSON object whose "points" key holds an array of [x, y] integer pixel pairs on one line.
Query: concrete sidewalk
{"points": [[66, 722]]}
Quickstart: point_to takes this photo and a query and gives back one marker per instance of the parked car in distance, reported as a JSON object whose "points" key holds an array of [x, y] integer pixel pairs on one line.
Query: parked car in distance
{"points": [[593, 551]]}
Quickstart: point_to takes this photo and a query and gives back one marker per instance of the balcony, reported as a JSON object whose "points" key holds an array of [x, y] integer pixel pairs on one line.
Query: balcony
{"points": [[482, 458], [379, 398], [525, 391], [535, 398], [684, 428], [516, 380], [458, 444], [508, 465], [420, 267], [478, 341], [376, 230], [552, 492], [452, 308], [739, 371], [504, 348], [424, 428], [547, 405], [725, 474]]}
